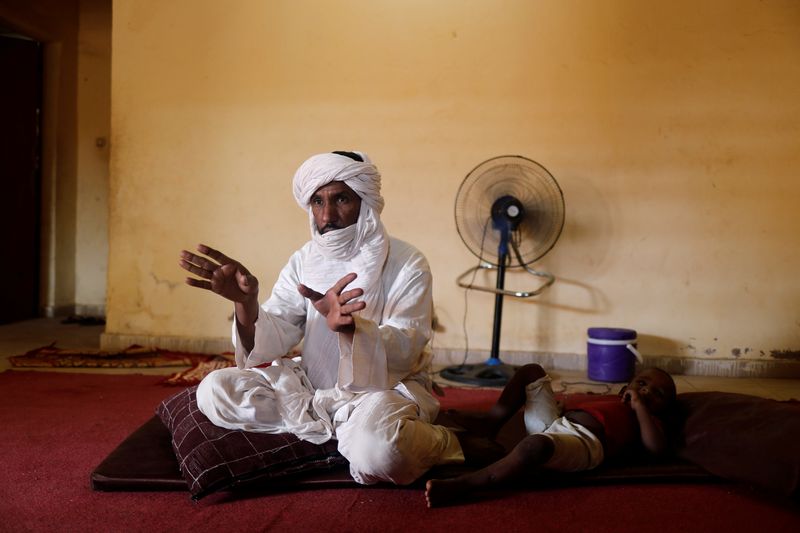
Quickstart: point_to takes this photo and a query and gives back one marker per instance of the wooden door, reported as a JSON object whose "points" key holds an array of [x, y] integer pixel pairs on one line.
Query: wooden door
{"points": [[20, 183]]}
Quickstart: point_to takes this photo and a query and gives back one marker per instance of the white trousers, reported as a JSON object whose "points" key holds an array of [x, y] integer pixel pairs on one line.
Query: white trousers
{"points": [[575, 448], [384, 434]]}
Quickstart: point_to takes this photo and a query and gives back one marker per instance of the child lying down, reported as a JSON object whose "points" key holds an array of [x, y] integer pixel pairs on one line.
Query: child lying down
{"points": [[576, 436]]}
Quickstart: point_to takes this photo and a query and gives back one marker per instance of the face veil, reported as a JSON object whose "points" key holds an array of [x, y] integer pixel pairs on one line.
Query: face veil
{"points": [[361, 247]]}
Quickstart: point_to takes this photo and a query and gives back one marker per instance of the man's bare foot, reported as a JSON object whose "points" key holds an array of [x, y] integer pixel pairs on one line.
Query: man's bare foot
{"points": [[439, 492]]}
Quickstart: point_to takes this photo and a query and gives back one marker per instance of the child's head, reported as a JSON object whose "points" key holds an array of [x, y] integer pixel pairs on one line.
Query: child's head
{"points": [[655, 388]]}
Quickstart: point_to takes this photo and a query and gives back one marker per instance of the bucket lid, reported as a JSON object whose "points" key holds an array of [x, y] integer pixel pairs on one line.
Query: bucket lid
{"points": [[612, 334]]}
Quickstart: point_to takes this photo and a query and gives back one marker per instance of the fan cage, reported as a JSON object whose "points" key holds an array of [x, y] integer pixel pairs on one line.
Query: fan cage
{"points": [[528, 181]]}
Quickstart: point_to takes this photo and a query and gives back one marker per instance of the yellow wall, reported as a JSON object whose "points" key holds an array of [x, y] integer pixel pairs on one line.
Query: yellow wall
{"points": [[94, 124], [672, 127]]}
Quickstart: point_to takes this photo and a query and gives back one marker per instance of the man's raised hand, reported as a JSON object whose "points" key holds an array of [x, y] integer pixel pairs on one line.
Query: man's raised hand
{"points": [[335, 305], [220, 274]]}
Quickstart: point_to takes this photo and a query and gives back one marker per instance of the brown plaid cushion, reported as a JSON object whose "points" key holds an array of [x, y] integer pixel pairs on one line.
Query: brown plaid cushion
{"points": [[212, 458]]}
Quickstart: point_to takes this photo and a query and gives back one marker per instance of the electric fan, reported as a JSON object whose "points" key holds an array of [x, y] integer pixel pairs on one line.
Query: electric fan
{"points": [[509, 213]]}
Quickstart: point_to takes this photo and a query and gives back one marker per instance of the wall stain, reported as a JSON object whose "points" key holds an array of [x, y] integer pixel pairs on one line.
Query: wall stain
{"points": [[786, 354], [171, 285], [736, 352]]}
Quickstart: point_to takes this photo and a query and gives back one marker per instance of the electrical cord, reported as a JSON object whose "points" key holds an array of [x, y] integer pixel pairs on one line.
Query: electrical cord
{"points": [[466, 295], [466, 302]]}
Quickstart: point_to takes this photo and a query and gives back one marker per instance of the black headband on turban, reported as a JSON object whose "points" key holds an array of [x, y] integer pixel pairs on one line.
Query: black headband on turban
{"points": [[352, 155]]}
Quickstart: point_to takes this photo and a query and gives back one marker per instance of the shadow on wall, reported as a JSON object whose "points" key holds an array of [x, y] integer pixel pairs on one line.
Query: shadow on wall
{"points": [[574, 296], [586, 246], [581, 253]]}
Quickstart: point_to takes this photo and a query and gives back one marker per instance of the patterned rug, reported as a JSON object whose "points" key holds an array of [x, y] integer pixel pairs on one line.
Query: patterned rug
{"points": [[195, 374], [134, 356]]}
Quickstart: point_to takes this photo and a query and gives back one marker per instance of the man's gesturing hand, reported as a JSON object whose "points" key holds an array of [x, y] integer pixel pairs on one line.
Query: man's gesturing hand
{"points": [[224, 276], [335, 305]]}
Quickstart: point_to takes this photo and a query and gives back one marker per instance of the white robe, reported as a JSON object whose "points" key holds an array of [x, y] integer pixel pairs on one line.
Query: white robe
{"points": [[373, 396]]}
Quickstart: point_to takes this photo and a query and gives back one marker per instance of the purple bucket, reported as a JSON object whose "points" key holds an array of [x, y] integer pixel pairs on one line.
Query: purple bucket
{"points": [[612, 354]]}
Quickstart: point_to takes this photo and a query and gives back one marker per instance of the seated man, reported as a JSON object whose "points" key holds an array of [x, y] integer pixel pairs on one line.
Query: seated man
{"points": [[361, 303]]}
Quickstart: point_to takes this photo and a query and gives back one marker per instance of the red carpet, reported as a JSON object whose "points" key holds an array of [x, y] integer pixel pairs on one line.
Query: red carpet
{"points": [[57, 427]]}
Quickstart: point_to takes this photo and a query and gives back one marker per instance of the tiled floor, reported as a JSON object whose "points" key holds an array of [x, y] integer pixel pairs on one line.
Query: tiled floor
{"points": [[21, 337]]}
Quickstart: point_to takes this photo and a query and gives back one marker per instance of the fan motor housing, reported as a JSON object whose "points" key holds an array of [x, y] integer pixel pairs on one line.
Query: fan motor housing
{"points": [[507, 212]]}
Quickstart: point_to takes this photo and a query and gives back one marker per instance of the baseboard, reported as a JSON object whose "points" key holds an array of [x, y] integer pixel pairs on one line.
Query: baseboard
{"points": [[728, 368], [554, 361], [90, 310], [209, 345], [53, 311]]}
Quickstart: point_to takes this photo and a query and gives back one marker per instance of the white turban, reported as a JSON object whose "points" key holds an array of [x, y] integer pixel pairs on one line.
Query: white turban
{"points": [[322, 169], [361, 247]]}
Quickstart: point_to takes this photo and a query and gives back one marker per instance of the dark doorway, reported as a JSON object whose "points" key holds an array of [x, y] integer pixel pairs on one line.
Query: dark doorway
{"points": [[20, 181]]}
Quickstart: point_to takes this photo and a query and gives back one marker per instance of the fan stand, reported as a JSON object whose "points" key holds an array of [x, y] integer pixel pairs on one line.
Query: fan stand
{"points": [[507, 213]]}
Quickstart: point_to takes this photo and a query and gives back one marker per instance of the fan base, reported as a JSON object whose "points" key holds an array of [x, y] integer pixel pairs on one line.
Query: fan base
{"points": [[492, 373]]}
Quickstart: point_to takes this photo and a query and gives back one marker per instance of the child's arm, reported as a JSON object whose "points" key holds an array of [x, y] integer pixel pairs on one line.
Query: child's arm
{"points": [[651, 429]]}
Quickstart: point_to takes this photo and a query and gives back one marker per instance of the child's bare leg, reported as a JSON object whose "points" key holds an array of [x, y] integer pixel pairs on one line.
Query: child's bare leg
{"points": [[532, 452], [514, 395], [478, 450], [477, 423], [511, 400]]}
